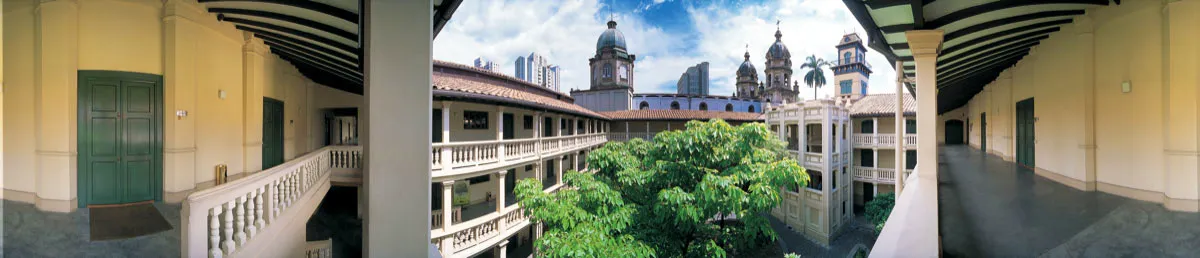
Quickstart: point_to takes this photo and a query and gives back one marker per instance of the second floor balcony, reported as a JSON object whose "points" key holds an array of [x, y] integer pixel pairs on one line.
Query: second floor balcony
{"points": [[883, 140]]}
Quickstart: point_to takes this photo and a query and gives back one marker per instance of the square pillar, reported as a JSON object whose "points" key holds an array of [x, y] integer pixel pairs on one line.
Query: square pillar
{"points": [[899, 134], [925, 45], [253, 72], [56, 78], [397, 62]]}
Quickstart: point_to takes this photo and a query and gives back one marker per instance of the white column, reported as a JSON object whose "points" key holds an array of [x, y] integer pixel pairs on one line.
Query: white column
{"points": [[502, 248], [558, 123], [502, 227], [627, 130], [500, 132], [899, 135], [500, 186], [558, 170], [447, 214], [398, 97], [926, 44], [1085, 27], [56, 78], [537, 133], [875, 126]]}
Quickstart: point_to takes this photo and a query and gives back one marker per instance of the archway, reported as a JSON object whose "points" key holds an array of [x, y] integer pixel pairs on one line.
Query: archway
{"points": [[674, 105], [644, 105], [954, 132]]}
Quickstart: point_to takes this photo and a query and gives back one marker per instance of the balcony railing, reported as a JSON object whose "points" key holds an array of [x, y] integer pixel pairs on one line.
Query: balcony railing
{"points": [[912, 227], [246, 218], [875, 175], [456, 158], [346, 164], [629, 136], [883, 140], [470, 237]]}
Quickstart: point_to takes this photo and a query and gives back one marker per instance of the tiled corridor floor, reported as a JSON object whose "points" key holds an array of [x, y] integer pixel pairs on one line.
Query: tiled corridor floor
{"points": [[32, 233], [993, 208]]}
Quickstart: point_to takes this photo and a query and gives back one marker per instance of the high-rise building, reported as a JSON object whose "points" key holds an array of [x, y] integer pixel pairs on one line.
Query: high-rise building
{"points": [[484, 63], [536, 69], [694, 81]]}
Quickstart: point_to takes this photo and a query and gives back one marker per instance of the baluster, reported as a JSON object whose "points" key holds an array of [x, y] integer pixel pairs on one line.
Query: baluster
{"points": [[259, 222], [214, 232], [250, 215], [239, 220], [227, 230]]}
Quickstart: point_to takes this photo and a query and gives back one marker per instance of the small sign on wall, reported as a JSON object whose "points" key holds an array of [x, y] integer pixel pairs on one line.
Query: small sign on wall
{"points": [[1126, 87]]}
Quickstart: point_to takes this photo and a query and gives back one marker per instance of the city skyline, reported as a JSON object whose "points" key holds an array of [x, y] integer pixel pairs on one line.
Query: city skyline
{"points": [[668, 37]]}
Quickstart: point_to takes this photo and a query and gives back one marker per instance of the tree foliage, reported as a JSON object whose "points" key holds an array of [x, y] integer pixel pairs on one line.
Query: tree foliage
{"points": [[879, 208], [665, 198], [815, 78]]}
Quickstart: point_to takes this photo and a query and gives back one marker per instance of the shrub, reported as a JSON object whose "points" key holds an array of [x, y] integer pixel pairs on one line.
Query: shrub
{"points": [[879, 208]]}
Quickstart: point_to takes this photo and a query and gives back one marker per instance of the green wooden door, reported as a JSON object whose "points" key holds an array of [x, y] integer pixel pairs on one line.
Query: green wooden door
{"points": [[119, 137], [1025, 133], [983, 132], [272, 149]]}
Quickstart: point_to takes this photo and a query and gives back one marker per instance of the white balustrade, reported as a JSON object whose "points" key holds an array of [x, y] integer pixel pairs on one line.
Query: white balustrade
{"points": [[319, 249], [883, 140], [813, 159], [910, 141], [346, 156], [220, 221], [458, 158], [875, 175]]}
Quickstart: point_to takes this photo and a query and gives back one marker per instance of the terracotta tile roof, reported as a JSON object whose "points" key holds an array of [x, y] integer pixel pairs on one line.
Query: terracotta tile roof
{"points": [[477, 84], [682, 115], [882, 105]]}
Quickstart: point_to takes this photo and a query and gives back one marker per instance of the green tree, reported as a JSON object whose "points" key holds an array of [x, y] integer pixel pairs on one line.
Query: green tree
{"points": [[815, 78], [879, 209], [666, 198]]}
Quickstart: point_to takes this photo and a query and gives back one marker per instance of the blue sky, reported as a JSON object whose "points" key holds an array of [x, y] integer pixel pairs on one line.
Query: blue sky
{"points": [[666, 35]]}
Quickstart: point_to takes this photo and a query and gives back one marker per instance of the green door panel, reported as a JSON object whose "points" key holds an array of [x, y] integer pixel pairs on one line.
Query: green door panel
{"points": [[120, 137], [106, 182], [272, 149]]}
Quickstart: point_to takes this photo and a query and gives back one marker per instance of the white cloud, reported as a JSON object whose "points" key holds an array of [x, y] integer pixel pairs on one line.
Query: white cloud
{"points": [[566, 33]]}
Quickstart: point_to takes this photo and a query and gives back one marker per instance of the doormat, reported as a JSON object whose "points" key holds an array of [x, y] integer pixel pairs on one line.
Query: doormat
{"points": [[121, 222]]}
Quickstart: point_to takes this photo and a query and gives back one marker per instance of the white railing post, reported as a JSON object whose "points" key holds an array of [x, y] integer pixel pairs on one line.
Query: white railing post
{"points": [[500, 176], [447, 151], [500, 133], [447, 216]]}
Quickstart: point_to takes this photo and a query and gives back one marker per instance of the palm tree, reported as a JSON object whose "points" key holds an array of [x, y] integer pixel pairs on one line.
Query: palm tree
{"points": [[815, 78]]}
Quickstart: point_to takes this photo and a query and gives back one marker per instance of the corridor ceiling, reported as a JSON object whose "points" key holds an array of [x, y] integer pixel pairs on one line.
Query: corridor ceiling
{"points": [[982, 37], [322, 38]]}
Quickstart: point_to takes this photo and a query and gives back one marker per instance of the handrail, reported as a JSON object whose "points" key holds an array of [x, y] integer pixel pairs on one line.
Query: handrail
{"points": [[911, 229], [219, 221], [470, 234]]}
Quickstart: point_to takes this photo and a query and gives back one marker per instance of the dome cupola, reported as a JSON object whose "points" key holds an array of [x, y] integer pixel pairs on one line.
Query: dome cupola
{"points": [[747, 69], [611, 38], [778, 50]]}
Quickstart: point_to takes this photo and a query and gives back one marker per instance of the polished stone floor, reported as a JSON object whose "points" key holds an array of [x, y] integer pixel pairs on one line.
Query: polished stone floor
{"points": [[32, 233], [993, 208]]}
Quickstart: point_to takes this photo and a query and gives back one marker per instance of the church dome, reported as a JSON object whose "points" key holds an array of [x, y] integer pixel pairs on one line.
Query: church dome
{"points": [[611, 38], [778, 50], [747, 68]]}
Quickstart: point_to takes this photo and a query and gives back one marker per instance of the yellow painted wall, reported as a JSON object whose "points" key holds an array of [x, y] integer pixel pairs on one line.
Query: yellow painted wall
{"points": [[121, 36], [19, 95], [1129, 126], [198, 57], [1139, 133]]}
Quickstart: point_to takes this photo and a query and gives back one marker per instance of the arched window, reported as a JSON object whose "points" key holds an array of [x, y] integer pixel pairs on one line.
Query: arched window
{"points": [[729, 107], [847, 57], [868, 126], [623, 73], [674, 105], [644, 105], [608, 71], [703, 106], [750, 109]]}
